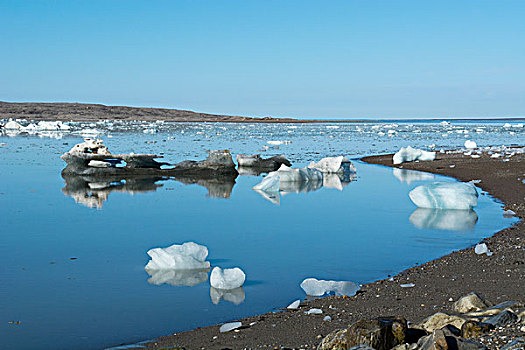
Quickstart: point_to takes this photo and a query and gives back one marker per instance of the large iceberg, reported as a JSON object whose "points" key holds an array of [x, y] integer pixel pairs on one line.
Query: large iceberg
{"points": [[235, 296], [445, 195], [188, 256], [227, 278], [315, 287], [456, 220], [410, 154]]}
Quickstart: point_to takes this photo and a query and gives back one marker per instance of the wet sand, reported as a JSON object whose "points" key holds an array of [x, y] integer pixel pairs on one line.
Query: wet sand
{"points": [[498, 278]]}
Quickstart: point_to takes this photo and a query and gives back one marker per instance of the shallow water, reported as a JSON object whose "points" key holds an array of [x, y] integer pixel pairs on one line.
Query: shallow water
{"points": [[103, 297]]}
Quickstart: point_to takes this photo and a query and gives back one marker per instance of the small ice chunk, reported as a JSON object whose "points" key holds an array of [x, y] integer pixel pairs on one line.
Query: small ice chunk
{"points": [[227, 278], [410, 154], [509, 213], [475, 156], [187, 256], [327, 318], [12, 125], [230, 326], [328, 164], [470, 144], [407, 285], [482, 249], [315, 287], [445, 195], [314, 311], [294, 305]]}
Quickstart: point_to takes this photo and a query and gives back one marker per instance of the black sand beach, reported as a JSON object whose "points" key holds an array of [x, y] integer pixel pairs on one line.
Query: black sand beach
{"points": [[498, 278]]}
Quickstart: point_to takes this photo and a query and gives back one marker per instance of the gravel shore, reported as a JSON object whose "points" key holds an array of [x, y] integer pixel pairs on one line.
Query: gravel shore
{"points": [[438, 283]]}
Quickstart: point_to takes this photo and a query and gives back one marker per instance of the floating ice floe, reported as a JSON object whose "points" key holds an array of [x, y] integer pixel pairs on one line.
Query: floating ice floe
{"points": [[482, 249], [470, 144], [227, 278], [409, 176], [442, 219], [235, 296], [445, 195], [188, 256], [230, 326], [330, 165], [315, 287], [277, 143], [410, 154]]}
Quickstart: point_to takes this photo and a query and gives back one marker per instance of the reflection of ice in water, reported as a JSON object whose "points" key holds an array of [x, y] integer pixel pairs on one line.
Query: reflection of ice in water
{"points": [[178, 277], [456, 220], [235, 296], [409, 176]]}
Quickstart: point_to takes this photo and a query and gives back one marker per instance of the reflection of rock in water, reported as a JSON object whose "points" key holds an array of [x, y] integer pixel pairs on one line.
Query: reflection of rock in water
{"points": [[235, 296], [177, 277], [94, 191], [409, 176], [456, 220], [217, 188]]}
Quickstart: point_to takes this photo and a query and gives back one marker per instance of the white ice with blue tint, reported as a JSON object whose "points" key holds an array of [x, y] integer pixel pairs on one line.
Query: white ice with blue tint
{"points": [[187, 256], [440, 219], [329, 164], [410, 154], [227, 278], [445, 195], [317, 288]]}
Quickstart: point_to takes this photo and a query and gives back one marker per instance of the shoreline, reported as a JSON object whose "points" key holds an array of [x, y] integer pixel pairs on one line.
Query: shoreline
{"points": [[88, 112], [498, 278]]}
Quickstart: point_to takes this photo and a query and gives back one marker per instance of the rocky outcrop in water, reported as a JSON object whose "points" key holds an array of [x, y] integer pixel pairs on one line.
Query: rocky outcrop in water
{"points": [[258, 165]]}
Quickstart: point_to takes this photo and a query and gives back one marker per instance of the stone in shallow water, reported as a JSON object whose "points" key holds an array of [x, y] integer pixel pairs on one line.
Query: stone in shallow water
{"points": [[227, 278], [445, 195]]}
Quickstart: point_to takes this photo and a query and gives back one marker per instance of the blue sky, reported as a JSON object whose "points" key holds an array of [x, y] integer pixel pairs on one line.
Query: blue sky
{"points": [[303, 59]]}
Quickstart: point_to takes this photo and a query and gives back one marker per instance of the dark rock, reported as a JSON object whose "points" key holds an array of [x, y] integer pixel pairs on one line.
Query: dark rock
{"points": [[414, 334], [438, 340], [261, 165], [518, 344], [502, 319]]}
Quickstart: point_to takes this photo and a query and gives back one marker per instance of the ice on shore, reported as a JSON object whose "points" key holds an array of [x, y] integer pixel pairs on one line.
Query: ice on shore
{"points": [[188, 256], [445, 195], [177, 277], [410, 154], [314, 311], [294, 305], [470, 144], [315, 287], [409, 176], [442, 219], [12, 125], [230, 326], [482, 249], [235, 296], [227, 278]]}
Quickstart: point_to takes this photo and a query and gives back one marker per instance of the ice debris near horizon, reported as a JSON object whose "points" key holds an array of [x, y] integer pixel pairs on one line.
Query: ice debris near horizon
{"points": [[235, 296], [227, 278], [442, 219], [482, 249], [445, 195], [188, 256], [230, 326], [315, 287], [410, 154]]}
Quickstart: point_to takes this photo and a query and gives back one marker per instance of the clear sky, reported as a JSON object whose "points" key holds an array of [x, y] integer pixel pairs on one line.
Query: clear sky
{"points": [[303, 59]]}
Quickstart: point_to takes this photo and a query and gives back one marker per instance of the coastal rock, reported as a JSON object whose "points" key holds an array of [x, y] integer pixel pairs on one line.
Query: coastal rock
{"points": [[472, 329], [440, 320], [439, 341], [315, 287], [227, 278], [470, 302], [188, 256], [379, 334], [262, 164], [502, 318], [517, 344], [445, 195], [410, 154]]}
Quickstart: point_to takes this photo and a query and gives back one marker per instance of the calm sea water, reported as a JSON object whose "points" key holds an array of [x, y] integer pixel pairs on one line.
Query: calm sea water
{"points": [[72, 256]]}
